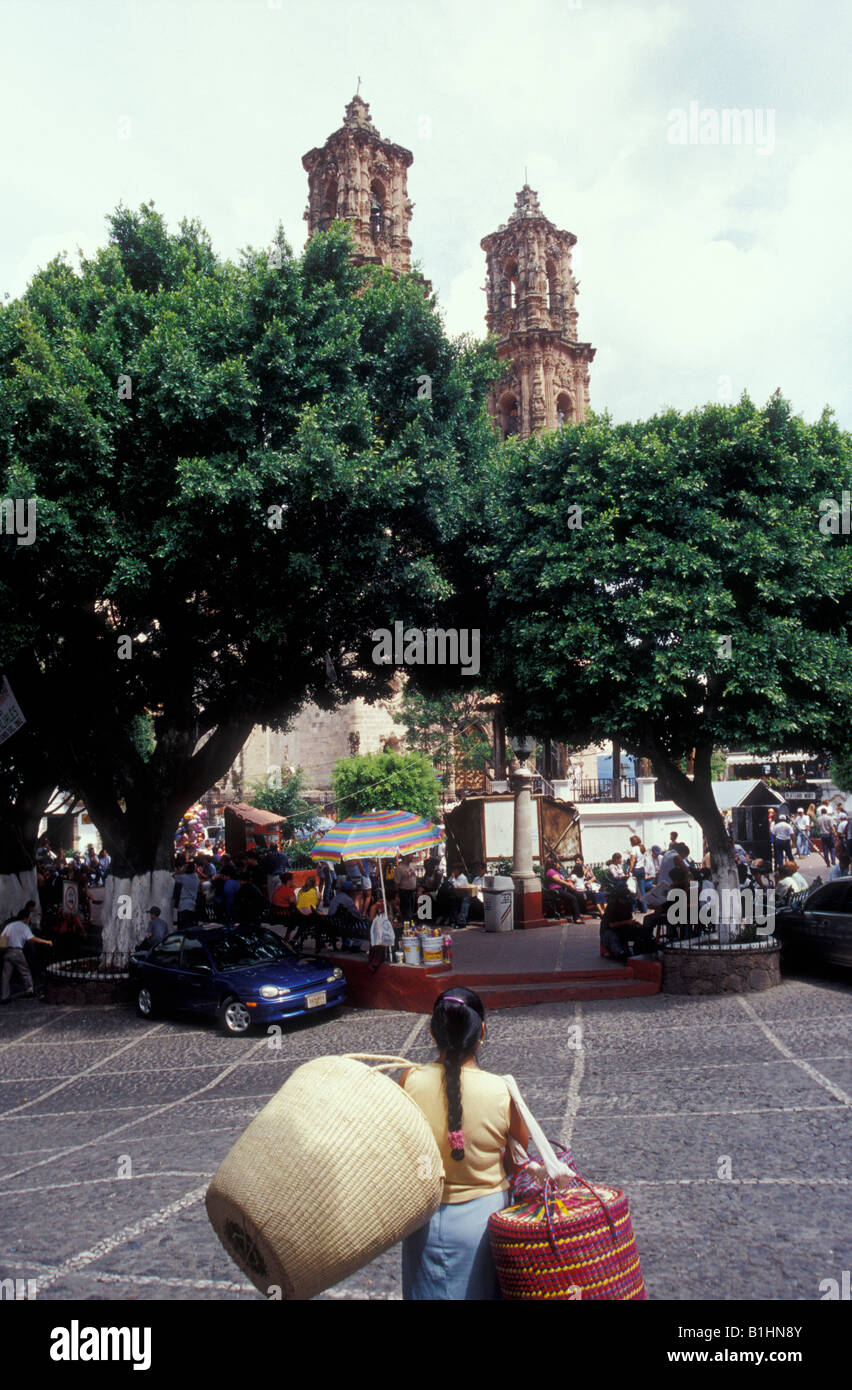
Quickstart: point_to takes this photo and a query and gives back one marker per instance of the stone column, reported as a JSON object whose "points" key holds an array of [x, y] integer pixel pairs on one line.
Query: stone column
{"points": [[527, 883]]}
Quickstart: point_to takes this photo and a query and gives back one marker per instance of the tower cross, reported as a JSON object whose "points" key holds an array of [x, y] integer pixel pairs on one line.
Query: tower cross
{"points": [[358, 88]]}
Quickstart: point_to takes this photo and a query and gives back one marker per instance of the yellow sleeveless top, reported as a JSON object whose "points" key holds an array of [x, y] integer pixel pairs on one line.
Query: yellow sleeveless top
{"points": [[485, 1121]]}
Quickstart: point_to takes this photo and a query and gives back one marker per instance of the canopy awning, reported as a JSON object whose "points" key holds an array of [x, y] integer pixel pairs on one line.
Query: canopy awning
{"points": [[252, 815]]}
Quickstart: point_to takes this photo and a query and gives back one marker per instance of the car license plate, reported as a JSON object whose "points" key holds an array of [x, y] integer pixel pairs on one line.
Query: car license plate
{"points": [[313, 1001]]}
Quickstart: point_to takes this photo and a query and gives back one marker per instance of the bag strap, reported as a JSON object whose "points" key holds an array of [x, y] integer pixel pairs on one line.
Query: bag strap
{"points": [[553, 1167], [385, 1061]]}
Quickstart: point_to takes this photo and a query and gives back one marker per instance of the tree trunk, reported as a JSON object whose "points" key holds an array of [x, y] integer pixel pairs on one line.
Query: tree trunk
{"points": [[139, 836], [127, 902], [15, 890], [616, 771], [695, 796], [19, 822]]}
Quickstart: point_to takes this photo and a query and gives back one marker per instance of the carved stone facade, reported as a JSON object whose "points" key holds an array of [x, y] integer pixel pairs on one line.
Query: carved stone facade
{"points": [[359, 178], [531, 292]]}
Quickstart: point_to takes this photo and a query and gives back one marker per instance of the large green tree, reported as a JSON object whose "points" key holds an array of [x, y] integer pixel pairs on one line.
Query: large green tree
{"points": [[699, 603], [239, 473], [385, 782], [447, 727]]}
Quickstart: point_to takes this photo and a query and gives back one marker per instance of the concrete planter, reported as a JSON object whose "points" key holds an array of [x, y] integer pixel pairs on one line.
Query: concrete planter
{"points": [[87, 981], [742, 968]]}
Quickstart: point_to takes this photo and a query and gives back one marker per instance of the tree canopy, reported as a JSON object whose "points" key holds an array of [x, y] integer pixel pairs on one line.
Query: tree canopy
{"points": [[237, 477], [386, 782], [698, 604]]}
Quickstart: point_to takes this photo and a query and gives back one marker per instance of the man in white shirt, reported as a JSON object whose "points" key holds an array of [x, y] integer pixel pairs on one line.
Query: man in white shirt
{"points": [[803, 827], [782, 840], [459, 879], [17, 935]]}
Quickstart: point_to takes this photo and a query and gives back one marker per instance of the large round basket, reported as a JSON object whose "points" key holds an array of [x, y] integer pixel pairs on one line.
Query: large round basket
{"points": [[338, 1167], [578, 1245]]}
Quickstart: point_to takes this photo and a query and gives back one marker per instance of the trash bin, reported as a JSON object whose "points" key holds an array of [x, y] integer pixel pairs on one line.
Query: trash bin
{"points": [[499, 895]]}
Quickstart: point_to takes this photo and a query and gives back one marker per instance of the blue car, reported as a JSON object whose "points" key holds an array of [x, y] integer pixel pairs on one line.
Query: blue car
{"points": [[241, 975]]}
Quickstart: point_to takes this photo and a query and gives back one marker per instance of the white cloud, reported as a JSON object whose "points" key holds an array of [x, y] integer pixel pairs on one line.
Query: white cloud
{"points": [[695, 262]]}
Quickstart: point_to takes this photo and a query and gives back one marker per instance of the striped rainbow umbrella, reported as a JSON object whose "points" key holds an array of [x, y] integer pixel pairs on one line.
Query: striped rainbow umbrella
{"points": [[377, 835]]}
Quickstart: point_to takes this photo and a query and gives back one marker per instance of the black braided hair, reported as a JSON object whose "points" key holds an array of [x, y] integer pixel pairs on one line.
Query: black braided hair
{"points": [[457, 1020]]}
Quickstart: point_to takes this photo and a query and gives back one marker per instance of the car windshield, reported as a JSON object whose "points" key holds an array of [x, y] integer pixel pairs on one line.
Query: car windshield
{"points": [[249, 947]]}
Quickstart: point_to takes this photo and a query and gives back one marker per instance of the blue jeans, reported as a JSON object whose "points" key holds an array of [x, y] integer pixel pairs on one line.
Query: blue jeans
{"points": [[802, 843], [639, 875]]}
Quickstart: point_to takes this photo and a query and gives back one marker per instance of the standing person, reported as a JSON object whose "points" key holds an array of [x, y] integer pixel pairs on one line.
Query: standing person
{"points": [[274, 863], [803, 828], [187, 880], [825, 831], [406, 881], [459, 879], [472, 1117], [249, 903], [781, 832], [17, 934], [636, 867], [104, 862], [652, 863]]}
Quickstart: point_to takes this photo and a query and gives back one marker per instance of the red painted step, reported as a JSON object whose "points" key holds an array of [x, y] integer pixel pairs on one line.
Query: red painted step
{"points": [[415, 988]]}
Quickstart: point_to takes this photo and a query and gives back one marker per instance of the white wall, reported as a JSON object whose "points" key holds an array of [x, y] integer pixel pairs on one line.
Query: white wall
{"points": [[606, 827]]}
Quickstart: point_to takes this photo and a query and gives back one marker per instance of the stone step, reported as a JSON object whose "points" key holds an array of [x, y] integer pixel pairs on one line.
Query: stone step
{"points": [[514, 996]]}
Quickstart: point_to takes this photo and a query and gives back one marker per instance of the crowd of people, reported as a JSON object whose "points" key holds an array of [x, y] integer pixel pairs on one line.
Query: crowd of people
{"points": [[640, 879], [257, 885]]}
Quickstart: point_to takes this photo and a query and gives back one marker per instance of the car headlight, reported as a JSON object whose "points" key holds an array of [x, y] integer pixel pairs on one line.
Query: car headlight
{"points": [[337, 975], [272, 992]]}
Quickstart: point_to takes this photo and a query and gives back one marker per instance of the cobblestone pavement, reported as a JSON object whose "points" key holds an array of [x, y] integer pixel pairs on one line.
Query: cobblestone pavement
{"points": [[110, 1128]]}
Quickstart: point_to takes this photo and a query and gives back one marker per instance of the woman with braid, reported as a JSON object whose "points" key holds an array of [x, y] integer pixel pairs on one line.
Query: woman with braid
{"points": [[471, 1115]]}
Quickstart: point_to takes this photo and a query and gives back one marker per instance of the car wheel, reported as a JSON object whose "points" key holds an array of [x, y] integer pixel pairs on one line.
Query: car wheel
{"points": [[144, 1003], [234, 1017]]}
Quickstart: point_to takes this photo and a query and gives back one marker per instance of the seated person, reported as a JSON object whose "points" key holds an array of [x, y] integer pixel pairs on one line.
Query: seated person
{"points": [[343, 908], [587, 888], [618, 929], [284, 906], [306, 899], [788, 880], [657, 922], [157, 930], [562, 889]]}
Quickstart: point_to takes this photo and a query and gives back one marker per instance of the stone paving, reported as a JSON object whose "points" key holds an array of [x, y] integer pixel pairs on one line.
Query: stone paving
{"points": [[727, 1120]]}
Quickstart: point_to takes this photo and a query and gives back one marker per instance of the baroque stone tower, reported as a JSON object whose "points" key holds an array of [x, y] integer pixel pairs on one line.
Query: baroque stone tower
{"points": [[361, 179], [531, 293]]}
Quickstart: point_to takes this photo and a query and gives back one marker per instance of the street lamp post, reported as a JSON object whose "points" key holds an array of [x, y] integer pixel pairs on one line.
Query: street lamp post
{"points": [[527, 883]]}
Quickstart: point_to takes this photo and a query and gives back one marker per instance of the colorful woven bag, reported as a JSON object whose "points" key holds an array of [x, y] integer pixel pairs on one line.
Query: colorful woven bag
{"points": [[571, 1241]]}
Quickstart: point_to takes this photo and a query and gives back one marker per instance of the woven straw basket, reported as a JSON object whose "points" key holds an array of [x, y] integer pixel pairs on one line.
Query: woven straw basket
{"points": [[338, 1167], [568, 1239], [580, 1247]]}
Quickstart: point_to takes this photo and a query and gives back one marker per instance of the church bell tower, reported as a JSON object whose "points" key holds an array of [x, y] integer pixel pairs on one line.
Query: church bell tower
{"points": [[359, 178], [531, 294]]}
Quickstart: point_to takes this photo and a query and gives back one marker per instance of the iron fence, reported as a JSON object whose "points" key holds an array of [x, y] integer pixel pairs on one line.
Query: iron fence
{"points": [[592, 789], [106, 966]]}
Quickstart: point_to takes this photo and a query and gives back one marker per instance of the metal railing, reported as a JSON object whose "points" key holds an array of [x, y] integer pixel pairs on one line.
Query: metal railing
{"points": [[106, 966], [592, 789]]}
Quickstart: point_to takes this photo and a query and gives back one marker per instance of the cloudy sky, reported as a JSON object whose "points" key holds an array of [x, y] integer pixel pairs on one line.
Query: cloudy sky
{"points": [[707, 267]]}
